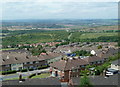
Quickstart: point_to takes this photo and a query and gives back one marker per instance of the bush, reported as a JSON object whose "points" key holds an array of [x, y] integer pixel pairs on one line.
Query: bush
{"points": [[24, 70], [8, 72], [97, 72], [99, 47], [85, 82]]}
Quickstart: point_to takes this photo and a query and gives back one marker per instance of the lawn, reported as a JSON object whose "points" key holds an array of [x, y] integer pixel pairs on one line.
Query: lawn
{"points": [[44, 75], [9, 49], [16, 78]]}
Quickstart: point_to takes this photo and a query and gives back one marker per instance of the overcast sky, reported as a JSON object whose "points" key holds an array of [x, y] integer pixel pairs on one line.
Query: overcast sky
{"points": [[59, 10]]}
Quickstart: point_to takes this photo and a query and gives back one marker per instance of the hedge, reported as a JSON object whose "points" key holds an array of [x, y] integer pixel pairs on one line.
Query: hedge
{"points": [[8, 72], [24, 70], [43, 67], [31, 69], [32, 75]]}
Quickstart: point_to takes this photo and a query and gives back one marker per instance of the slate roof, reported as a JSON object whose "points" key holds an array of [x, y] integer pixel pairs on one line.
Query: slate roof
{"points": [[50, 55], [116, 62], [92, 59], [68, 64], [108, 53], [13, 58], [99, 80], [16, 50], [37, 81], [66, 48]]}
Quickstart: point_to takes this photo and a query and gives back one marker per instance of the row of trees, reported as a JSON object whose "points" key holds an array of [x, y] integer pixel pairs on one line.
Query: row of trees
{"points": [[99, 39], [63, 43]]}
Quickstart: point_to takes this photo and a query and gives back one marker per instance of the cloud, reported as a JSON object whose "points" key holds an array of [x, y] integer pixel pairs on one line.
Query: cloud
{"points": [[58, 10], [60, 1]]}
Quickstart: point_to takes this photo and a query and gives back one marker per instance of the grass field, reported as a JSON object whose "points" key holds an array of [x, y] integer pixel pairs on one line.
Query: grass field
{"points": [[44, 75], [96, 35], [91, 35]]}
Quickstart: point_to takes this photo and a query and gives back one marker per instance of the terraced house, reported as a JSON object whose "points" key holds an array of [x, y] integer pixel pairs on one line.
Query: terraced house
{"points": [[19, 61]]}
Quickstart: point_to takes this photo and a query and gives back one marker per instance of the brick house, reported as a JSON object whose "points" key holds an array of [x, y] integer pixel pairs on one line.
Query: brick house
{"points": [[67, 68]]}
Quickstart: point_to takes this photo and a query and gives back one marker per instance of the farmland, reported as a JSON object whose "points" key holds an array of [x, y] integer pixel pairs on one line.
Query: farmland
{"points": [[57, 31]]}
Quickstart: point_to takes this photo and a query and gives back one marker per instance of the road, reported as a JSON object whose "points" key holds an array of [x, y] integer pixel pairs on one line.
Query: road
{"points": [[4, 77], [69, 36]]}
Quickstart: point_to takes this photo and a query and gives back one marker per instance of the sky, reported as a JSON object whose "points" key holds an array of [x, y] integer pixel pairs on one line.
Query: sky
{"points": [[13, 10]]}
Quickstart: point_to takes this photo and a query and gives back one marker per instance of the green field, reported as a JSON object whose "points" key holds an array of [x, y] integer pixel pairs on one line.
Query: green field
{"points": [[96, 35], [29, 37], [91, 35]]}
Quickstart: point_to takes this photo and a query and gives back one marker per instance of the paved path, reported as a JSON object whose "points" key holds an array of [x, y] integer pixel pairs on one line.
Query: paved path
{"points": [[4, 77]]}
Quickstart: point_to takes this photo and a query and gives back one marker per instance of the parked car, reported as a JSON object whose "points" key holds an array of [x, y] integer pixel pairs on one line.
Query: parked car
{"points": [[111, 71]]}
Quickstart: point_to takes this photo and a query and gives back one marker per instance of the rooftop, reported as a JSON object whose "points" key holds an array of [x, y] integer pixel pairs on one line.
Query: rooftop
{"points": [[68, 64], [99, 80], [37, 81]]}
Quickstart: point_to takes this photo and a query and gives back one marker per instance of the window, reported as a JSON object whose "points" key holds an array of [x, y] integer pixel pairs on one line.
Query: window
{"points": [[82, 66], [31, 62], [34, 62], [37, 62], [13, 64], [25, 63], [6, 70], [7, 65], [99, 62], [14, 68], [92, 62], [25, 67], [31, 67], [28, 62]]}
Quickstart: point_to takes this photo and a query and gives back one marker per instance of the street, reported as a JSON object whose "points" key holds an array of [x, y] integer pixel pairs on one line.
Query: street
{"points": [[16, 75]]}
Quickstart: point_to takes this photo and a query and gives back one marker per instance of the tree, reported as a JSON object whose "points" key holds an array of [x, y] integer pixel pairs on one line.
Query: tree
{"points": [[97, 72], [99, 47], [84, 72], [85, 82]]}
